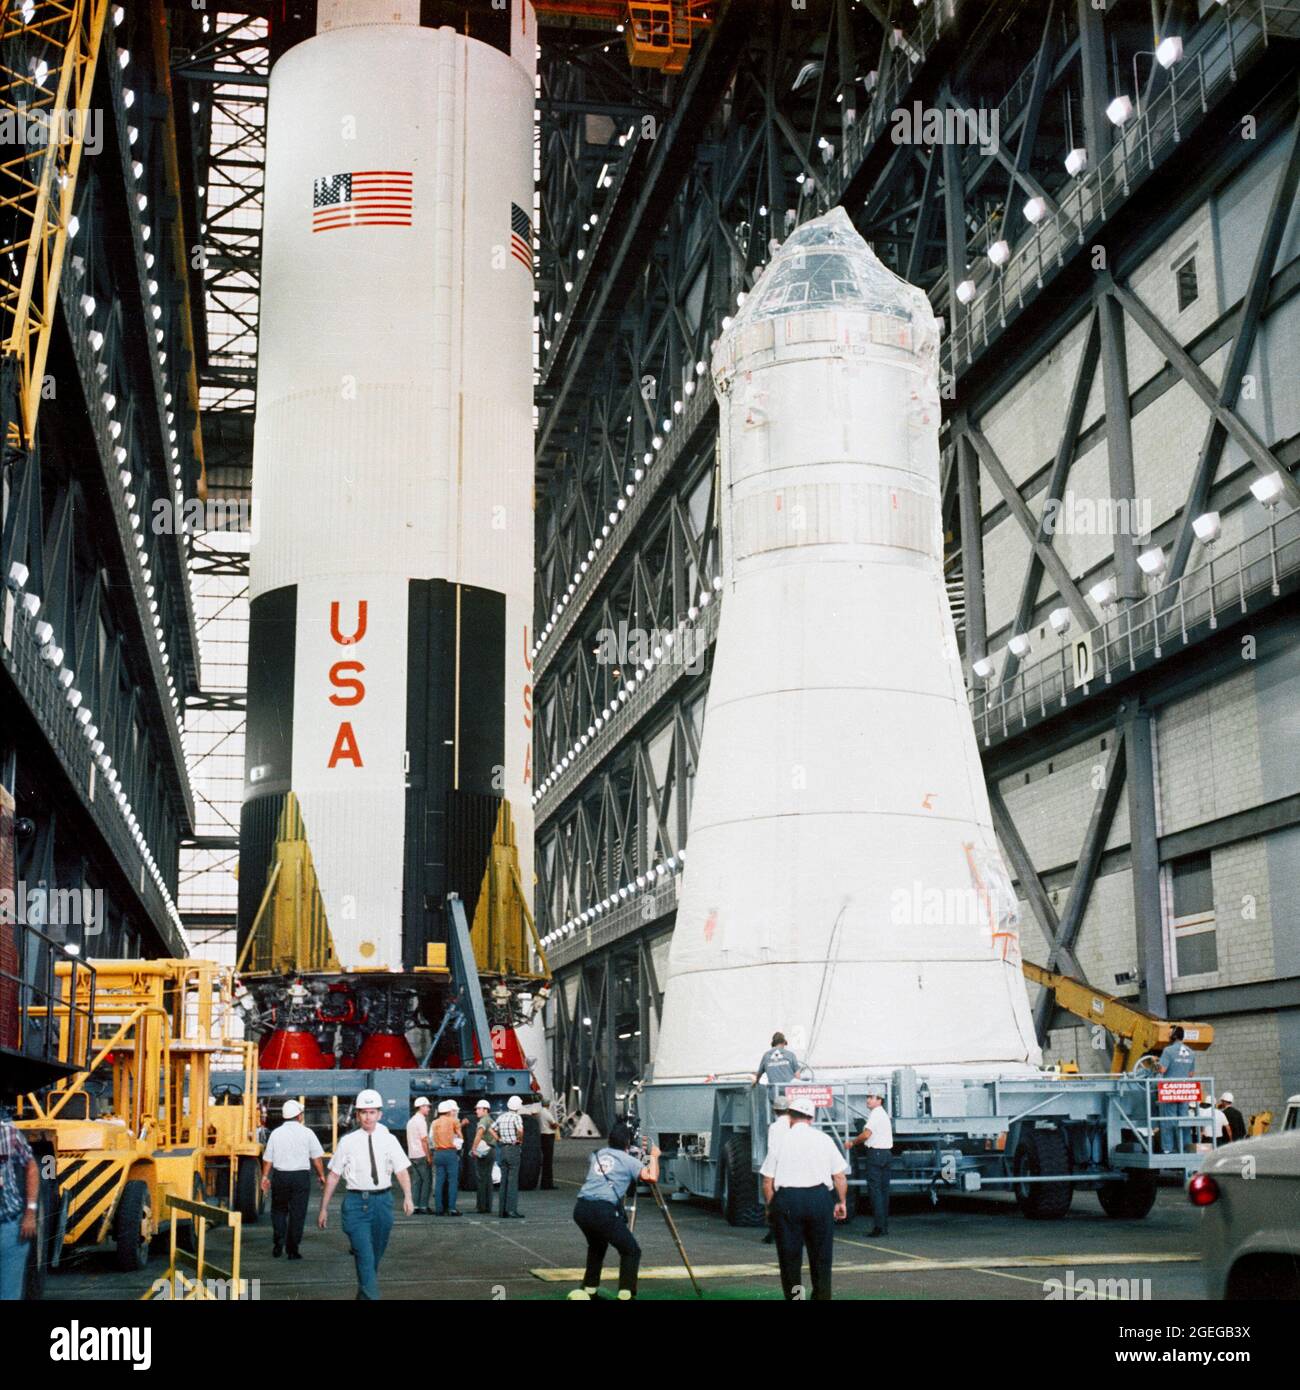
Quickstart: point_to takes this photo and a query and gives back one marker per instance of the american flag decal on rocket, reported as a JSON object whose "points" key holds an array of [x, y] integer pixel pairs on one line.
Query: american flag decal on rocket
{"points": [[521, 236], [367, 198]]}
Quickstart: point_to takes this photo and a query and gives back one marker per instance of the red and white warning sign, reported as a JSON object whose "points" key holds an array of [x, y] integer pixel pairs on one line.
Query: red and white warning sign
{"points": [[1178, 1092], [819, 1095]]}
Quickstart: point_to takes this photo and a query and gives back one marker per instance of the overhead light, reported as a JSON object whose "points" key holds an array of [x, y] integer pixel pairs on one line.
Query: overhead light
{"points": [[1036, 209], [966, 291], [1119, 110], [87, 304], [1106, 592], [119, 14], [999, 253], [1076, 161], [19, 574], [43, 633], [1060, 620], [1267, 489], [128, 98], [32, 604], [1169, 51], [1019, 645], [1152, 562], [74, 226], [983, 668], [96, 339]]}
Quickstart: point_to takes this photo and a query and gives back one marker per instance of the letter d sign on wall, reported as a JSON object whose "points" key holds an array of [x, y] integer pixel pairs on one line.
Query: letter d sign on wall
{"points": [[1082, 646]]}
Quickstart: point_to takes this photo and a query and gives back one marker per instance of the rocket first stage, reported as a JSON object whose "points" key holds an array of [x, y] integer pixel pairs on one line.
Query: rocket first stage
{"points": [[389, 702], [844, 883]]}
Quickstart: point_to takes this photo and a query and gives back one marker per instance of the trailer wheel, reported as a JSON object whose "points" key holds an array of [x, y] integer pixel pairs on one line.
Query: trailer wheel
{"points": [[38, 1261], [742, 1203], [248, 1190], [133, 1225], [1042, 1153], [1133, 1198]]}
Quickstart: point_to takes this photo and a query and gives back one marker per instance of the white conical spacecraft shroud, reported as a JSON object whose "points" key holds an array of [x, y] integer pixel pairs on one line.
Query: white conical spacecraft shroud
{"points": [[843, 883]]}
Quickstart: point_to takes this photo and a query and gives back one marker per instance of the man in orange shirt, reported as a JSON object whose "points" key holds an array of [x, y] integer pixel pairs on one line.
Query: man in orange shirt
{"points": [[446, 1140]]}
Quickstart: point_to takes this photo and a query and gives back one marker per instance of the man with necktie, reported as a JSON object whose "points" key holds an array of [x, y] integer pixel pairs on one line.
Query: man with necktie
{"points": [[366, 1162]]}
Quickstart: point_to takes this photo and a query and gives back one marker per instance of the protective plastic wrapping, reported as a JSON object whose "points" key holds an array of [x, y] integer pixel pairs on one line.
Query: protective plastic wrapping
{"points": [[843, 881]]}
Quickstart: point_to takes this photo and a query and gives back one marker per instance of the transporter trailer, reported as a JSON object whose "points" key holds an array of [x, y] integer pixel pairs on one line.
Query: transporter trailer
{"points": [[1042, 1136]]}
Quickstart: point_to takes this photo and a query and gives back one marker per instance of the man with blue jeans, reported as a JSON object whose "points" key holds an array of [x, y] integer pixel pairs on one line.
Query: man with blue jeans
{"points": [[19, 1181], [447, 1142], [367, 1161]]}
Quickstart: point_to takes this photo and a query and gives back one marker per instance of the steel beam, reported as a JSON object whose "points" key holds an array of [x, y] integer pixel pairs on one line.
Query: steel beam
{"points": [[1144, 839]]}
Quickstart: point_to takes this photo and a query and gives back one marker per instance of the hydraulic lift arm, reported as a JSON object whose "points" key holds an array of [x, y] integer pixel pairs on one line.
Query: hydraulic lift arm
{"points": [[1135, 1031]]}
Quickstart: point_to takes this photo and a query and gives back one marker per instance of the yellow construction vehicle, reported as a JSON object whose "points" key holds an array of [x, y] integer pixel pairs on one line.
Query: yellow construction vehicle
{"points": [[1137, 1034], [167, 1104]]}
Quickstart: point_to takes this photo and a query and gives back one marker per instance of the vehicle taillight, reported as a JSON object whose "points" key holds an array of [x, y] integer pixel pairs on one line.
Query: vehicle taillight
{"points": [[1202, 1191]]}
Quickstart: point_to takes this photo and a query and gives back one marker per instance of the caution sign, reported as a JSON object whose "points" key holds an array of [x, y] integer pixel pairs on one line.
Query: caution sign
{"points": [[1081, 647], [819, 1095], [1178, 1092]]}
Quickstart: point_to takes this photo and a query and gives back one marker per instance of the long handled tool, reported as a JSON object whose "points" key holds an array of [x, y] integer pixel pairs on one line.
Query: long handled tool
{"points": [[662, 1204]]}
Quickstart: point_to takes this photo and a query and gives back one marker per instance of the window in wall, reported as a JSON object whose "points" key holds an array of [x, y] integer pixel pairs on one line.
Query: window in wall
{"points": [[1195, 947], [1185, 279]]}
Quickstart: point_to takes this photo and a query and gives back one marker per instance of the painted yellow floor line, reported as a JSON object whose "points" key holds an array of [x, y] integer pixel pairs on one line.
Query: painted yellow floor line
{"points": [[907, 1266]]}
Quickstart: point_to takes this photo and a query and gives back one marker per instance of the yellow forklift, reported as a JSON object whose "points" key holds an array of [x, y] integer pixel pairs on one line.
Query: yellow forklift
{"points": [[166, 1105]]}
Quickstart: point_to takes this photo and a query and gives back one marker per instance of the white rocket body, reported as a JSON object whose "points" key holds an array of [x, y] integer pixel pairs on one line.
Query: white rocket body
{"points": [[393, 465], [843, 883]]}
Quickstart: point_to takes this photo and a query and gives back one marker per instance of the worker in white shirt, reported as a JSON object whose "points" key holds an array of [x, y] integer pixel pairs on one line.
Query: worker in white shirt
{"points": [[878, 1135], [776, 1131], [508, 1136], [291, 1152], [367, 1161], [417, 1150], [798, 1179], [550, 1132]]}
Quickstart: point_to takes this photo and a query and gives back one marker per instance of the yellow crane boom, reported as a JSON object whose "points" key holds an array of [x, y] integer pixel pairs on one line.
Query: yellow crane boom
{"points": [[1135, 1031]]}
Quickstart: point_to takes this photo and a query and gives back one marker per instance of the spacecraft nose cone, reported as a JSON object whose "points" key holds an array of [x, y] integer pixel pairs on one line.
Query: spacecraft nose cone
{"points": [[823, 265]]}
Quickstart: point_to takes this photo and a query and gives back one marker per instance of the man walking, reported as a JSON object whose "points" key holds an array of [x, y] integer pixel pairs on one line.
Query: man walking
{"points": [[366, 1162], [447, 1143], [878, 1135], [797, 1183], [417, 1150], [508, 1135], [776, 1131], [291, 1152], [20, 1180], [484, 1157], [1176, 1061]]}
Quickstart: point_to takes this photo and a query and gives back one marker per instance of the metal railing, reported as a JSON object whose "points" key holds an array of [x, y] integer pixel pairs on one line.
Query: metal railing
{"points": [[1165, 620], [1141, 146], [32, 1003]]}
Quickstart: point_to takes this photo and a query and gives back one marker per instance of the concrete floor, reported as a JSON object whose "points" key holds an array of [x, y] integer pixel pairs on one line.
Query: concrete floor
{"points": [[975, 1248]]}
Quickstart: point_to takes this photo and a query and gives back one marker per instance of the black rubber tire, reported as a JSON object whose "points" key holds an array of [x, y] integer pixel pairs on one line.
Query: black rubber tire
{"points": [[742, 1199], [1042, 1153], [38, 1261], [129, 1220], [530, 1155], [248, 1190], [1132, 1199]]}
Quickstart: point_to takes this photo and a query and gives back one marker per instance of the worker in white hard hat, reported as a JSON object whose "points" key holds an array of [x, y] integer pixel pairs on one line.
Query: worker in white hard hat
{"points": [[508, 1136], [484, 1156], [776, 1131], [291, 1152], [447, 1140], [797, 1186], [366, 1162], [1227, 1103], [878, 1135], [417, 1150]]}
